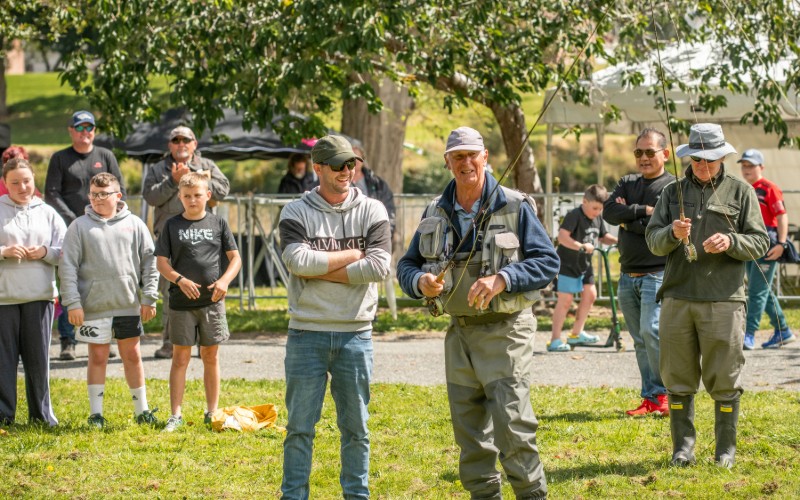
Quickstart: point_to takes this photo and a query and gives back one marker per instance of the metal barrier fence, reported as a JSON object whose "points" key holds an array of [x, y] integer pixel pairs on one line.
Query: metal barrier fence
{"points": [[254, 218]]}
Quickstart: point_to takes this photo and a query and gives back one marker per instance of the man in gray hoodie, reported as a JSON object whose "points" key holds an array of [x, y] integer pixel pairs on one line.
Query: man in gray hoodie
{"points": [[336, 244]]}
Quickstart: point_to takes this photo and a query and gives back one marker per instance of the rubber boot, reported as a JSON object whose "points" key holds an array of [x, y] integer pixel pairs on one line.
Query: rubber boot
{"points": [[726, 419], [681, 425]]}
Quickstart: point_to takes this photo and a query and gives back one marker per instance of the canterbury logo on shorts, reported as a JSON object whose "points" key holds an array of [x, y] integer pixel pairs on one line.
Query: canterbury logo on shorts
{"points": [[95, 331]]}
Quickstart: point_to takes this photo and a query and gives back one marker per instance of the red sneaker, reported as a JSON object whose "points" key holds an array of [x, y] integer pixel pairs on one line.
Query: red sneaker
{"points": [[662, 407], [643, 409]]}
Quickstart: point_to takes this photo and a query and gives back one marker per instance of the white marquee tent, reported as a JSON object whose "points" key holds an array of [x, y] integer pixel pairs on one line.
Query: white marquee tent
{"points": [[638, 108]]}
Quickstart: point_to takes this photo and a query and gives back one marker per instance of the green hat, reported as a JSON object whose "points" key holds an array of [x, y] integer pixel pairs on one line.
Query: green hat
{"points": [[333, 150]]}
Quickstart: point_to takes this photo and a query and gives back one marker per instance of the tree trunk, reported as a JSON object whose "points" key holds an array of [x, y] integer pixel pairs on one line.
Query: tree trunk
{"points": [[3, 85], [512, 126], [382, 134]]}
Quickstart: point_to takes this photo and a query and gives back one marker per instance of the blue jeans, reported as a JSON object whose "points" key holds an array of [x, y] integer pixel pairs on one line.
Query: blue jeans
{"points": [[310, 356], [637, 300], [65, 329], [760, 297]]}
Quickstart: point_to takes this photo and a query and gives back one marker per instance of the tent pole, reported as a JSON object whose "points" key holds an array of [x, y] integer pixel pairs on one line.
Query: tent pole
{"points": [[601, 146], [548, 199]]}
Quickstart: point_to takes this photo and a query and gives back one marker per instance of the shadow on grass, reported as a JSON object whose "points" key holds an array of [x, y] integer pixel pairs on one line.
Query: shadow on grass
{"points": [[583, 416], [589, 471]]}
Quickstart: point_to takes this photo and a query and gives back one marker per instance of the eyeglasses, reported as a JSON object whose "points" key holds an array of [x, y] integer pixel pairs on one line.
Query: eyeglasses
{"points": [[102, 195], [649, 152], [179, 140], [81, 128], [351, 164]]}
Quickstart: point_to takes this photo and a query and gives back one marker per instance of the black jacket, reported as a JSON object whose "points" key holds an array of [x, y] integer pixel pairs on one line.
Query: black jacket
{"points": [[378, 189], [634, 256], [292, 185]]}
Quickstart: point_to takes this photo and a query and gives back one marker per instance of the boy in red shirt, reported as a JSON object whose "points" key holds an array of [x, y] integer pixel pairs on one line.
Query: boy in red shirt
{"points": [[759, 295]]}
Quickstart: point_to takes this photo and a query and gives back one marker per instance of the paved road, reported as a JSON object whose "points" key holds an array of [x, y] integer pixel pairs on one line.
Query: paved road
{"points": [[418, 359]]}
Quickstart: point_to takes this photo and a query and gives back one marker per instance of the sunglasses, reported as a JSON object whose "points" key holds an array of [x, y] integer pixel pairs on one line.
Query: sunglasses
{"points": [[697, 159], [81, 128], [181, 140], [103, 195], [649, 152], [351, 164]]}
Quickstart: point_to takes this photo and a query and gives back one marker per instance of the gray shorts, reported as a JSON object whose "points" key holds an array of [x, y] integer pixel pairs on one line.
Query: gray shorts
{"points": [[206, 324]]}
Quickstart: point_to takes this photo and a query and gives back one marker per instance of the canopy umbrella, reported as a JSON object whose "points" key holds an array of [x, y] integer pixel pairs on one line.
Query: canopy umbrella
{"points": [[227, 141]]}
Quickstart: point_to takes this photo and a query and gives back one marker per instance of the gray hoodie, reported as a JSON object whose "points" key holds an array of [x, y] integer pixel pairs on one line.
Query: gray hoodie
{"points": [[309, 228], [35, 224], [104, 261]]}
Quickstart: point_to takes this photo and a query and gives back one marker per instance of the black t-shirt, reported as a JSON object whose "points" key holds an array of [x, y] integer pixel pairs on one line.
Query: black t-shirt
{"points": [[197, 250], [583, 230], [68, 175]]}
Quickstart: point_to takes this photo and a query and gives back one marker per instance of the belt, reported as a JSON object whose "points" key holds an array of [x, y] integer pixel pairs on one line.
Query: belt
{"points": [[483, 319], [637, 275]]}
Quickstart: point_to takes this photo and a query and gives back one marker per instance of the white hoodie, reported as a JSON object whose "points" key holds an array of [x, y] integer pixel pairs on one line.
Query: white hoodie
{"points": [[34, 224]]}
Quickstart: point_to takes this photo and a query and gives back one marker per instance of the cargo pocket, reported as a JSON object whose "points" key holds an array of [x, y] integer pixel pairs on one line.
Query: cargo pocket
{"points": [[504, 250], [432, 232]]}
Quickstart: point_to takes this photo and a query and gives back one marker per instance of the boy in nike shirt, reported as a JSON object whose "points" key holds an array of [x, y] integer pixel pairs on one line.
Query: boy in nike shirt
{"points": [[196, 252]]}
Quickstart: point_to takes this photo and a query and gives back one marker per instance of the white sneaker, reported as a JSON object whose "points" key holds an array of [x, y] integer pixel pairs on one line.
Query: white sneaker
{"points": [[173, 424]]}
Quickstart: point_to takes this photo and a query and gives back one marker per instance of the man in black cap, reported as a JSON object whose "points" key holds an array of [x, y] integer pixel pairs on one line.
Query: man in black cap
{"points": [[161, 192], [489, 283], [703, 295], [67, 190], [336, 246]]}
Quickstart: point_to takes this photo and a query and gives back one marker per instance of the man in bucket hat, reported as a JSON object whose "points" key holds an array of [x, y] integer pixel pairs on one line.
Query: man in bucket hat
{"points": [[496, 273], [703, 301], [761, 273], [337, 246]]}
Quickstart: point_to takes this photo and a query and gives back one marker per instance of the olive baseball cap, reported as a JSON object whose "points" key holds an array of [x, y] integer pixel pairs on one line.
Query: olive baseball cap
{"points": [[333, 150]]}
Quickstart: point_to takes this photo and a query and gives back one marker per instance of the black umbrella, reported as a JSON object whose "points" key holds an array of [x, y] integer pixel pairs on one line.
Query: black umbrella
{"points": [[227, 141]]}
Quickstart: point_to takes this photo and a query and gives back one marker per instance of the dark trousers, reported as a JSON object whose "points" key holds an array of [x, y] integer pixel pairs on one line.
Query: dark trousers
{"points": [[25, 332]]}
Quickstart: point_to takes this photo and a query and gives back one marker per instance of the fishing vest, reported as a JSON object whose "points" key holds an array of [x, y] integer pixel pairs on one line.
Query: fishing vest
{"points": [[496, 246]]}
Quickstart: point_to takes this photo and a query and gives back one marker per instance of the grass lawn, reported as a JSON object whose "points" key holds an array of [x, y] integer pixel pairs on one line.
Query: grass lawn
{"points": [[588, 448]]}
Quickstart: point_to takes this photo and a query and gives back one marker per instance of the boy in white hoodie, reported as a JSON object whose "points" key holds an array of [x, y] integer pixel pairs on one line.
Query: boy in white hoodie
{"points": [[107, 253]]}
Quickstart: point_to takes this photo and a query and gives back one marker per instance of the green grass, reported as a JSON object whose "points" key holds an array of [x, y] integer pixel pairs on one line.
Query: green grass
{"points": [[589, 449]]}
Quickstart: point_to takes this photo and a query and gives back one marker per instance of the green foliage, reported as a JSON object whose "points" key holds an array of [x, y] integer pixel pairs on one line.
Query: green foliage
{"points": [[589, 448]]}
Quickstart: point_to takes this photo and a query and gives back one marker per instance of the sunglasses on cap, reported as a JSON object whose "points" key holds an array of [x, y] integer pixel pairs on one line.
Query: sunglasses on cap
{"points": [[179, 140], [351, 164], [81, 128], [649, 152]]}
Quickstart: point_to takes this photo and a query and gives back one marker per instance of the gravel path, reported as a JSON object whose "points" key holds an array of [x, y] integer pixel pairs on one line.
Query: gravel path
{"points": [[419, 359]]}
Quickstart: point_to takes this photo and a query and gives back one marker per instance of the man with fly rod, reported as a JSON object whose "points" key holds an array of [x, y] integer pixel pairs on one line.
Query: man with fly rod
{"points": [[481, 255], [715, 217]]}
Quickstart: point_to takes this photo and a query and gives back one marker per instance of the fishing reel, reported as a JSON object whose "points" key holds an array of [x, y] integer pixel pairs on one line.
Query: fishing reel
{"points": [[435, 306], [690, 251]]}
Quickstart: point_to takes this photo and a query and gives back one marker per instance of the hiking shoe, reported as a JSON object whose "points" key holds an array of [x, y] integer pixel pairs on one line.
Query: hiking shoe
{"points": [[662, 408], [164, 352], [557, 345], [749, 341], [583, 338], [207, 417], [147, 417], [96, 420], [67, 351], [643, 409], [173, 424], [778, 339]]}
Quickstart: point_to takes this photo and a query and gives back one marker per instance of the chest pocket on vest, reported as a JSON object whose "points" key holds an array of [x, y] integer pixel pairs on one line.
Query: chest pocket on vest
{"points": [[432, 231], [504, 250], [722, 217]]}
